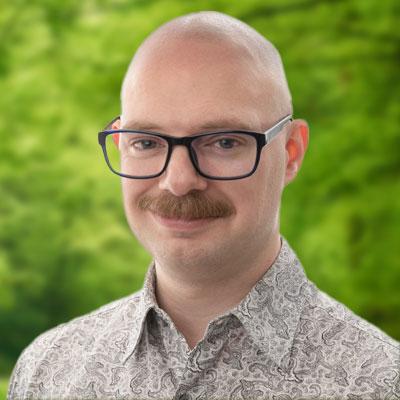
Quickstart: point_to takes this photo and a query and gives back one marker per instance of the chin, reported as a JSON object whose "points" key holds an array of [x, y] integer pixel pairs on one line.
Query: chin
{"points": [[181, 253]]}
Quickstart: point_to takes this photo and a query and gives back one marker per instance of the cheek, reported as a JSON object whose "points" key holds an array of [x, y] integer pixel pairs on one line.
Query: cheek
{"points": [[270, 182], [128, 194], [131, 191]]}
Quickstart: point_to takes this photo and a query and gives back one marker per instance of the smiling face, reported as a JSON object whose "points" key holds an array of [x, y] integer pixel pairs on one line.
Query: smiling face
{"points": [[183, 88]]}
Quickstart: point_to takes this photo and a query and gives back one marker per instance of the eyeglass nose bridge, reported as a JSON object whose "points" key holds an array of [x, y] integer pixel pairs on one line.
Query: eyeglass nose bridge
{"points": [[185, 141]]}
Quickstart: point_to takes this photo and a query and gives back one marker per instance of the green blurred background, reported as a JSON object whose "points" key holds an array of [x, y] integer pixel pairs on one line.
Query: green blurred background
{"points": [[65, 247]]}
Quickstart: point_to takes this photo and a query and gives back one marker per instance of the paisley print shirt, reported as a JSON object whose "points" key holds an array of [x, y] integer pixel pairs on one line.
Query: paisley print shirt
{"points": [[285, 340]]}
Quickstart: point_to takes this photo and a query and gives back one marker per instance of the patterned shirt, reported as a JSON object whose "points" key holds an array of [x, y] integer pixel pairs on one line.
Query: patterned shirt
{"points": [[285, 340]]}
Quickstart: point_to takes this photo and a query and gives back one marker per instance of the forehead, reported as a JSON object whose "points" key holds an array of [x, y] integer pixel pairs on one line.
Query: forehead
{"points": [[189, 82]]}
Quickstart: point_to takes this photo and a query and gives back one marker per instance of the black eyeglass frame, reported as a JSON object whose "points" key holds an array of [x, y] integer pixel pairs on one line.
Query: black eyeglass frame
{"points": [[262, 140]]}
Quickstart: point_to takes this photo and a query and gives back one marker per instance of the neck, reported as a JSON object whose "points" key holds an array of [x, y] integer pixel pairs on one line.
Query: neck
{"points": [[194, 296]]}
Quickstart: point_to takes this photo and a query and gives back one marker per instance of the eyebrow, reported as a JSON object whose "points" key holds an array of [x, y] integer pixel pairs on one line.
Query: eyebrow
{"points": [[217, 124]]}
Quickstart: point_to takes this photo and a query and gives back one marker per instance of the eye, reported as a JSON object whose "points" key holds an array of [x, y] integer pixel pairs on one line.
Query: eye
{"points": [[227, 143], [146, 143]]}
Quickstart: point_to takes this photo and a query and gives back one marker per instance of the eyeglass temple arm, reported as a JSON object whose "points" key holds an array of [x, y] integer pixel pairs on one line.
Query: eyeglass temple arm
{"points": [[272, 132]]}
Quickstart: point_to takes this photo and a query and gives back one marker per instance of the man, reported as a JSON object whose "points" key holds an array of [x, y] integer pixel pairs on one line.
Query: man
{"points": [[205, 145]]}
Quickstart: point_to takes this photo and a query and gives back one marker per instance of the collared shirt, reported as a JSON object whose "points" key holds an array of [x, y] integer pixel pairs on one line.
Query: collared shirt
{"points": [[285, 340]]}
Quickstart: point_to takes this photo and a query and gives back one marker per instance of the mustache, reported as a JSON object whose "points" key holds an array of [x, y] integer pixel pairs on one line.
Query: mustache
{"points": [[194, 205]]}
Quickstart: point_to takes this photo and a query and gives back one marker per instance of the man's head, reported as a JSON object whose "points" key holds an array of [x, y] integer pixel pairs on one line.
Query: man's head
{"points": [[199, 73]]}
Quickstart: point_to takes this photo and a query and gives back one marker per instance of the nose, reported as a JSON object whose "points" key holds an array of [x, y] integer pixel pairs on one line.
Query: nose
{"points": [[180, 176]]}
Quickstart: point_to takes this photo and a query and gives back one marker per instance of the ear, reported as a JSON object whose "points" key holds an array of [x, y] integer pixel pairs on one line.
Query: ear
{"points": [[296, 146], [115, 124]]}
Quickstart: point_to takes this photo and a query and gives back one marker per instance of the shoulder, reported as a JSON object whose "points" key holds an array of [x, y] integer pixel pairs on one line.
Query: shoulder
{"points": [[54, 349], [86, 325], [332, 341], [335, 321]]}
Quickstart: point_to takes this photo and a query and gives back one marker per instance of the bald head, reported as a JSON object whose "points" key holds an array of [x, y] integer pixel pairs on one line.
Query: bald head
{"points": [[231, 38]]}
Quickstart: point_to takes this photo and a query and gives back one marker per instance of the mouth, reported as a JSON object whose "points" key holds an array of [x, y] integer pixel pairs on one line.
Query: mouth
{"points": [[175, 223]]}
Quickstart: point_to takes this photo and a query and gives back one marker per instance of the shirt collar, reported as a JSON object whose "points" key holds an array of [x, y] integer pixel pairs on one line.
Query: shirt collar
{"points": [[271, 311], [137, 310]]}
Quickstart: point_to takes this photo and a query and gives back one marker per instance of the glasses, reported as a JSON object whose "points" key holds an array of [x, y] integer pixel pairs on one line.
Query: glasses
{"points": [[226, 155]]}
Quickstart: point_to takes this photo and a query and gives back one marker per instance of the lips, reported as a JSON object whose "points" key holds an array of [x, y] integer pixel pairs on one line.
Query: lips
{"points": [[182, 224]]}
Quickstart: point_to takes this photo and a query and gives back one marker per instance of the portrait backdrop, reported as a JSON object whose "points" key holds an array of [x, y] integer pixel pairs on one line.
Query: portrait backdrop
{"points": [[65, 246]]}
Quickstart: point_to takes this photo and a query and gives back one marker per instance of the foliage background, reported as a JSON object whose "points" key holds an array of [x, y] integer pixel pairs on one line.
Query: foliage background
{"points": [[65, 247]]}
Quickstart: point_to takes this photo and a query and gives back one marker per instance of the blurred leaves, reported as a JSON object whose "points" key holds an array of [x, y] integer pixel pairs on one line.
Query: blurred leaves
{"points": [[65, 247]]}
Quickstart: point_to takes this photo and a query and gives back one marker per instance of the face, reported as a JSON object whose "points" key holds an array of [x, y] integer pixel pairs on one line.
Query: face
{"points": [[188, 88]]}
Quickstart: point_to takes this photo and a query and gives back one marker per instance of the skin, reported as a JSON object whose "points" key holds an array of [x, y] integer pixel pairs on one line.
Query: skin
{"points": [[182, 84]]}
